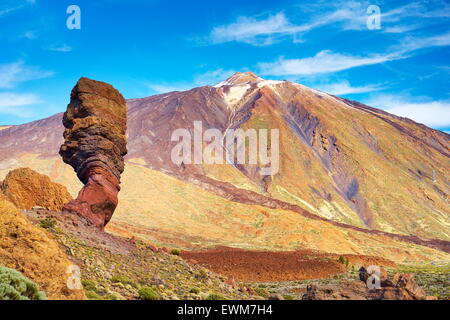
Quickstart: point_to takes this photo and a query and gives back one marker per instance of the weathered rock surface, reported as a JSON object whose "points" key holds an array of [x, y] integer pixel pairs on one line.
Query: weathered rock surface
{"points": [[26, 189], [34, 252], [94, 146]]}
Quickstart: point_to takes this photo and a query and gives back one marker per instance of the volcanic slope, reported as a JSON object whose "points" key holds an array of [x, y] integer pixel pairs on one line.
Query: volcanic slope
{"points": [[339, 160]]}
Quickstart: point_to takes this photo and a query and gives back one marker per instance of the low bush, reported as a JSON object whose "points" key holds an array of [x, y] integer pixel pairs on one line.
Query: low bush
{"points": [[123, 280], [262, 292], [47, 223], [15, 286], [215, 296], [343, 260], [147, 293], [195, 290]]}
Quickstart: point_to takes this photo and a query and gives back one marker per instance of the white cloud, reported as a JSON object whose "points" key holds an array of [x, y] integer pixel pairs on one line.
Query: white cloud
{"points": [[257, 32], [8, 10], [207, 78], [63, 48], [14, 103], [212, 77], [411, 44], [14, 73], [323, 62], [345, 15], [431, 113], [344, 87], [399, 28], [18, 5], [326, 61], [164, 88], [352, 15], [30, 35]]}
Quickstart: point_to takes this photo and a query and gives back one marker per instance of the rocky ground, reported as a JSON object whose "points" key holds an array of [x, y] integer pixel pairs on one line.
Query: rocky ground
{"points": [[274, 266], [433, 279], [114, 267], [118, 268]]}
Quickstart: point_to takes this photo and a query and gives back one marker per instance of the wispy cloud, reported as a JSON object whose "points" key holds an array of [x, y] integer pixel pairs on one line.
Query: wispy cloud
{"points": [[323, 62], [352, 15], [14, 103], [11, 74], [164, 88], [8, 10], [431, 113], [62, 48], [327, 61], [30, 35], [399, 29], [411, 44], [341, 15], [210, 77], [213, 77], [262, 31], [11, 6], [344, 87]]}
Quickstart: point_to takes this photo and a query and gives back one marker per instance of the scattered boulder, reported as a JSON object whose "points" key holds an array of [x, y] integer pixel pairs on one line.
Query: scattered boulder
{"points": [[363, 274], [153, 248], [28, 189], [95, 144], [347, 290], [133, 240], [311, 290], [400, 287]]}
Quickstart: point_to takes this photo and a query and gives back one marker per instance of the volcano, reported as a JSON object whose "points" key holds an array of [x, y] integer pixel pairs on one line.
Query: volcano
{"points": [[351, 178]]}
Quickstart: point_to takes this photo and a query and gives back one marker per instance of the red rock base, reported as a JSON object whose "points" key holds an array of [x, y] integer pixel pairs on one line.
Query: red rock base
{"points": [[98, 199]]}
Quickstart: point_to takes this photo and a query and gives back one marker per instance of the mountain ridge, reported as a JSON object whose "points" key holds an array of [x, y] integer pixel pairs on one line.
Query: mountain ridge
{"points": [[333, 152]]}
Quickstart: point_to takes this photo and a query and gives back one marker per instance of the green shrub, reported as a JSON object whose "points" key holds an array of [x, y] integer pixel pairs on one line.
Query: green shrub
{"points": [[195, 290], [175, 252], [147, 293], [123, 279], [288, 297], [15, 286], [343, 260], [262, 292], [110, 296], [92, 295], [89, 285], [47, 223], [215, 296]]}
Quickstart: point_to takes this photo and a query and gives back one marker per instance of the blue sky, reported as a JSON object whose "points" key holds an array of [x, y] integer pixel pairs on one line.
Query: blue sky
{"points": [[148, 47]]}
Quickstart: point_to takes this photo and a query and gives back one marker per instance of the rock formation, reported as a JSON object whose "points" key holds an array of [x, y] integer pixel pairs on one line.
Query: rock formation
{"points": [[398, 287], [94, 146], [32, 251], [26, 189]]}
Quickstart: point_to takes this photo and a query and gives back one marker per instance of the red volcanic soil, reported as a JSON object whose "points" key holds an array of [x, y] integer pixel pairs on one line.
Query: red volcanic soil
{"points": [[271, 266]]}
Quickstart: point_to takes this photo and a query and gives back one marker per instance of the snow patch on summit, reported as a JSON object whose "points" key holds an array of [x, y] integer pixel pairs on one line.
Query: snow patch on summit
{"points": [[235, 88], [236, 93]]}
